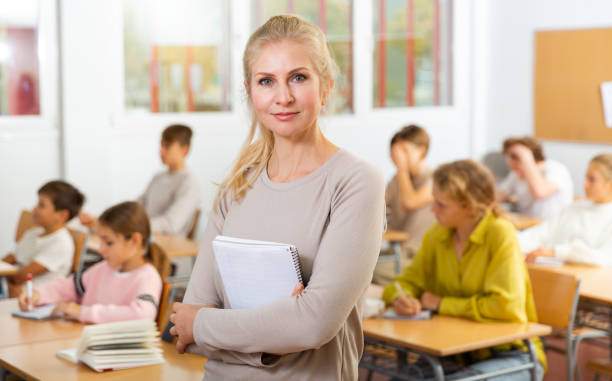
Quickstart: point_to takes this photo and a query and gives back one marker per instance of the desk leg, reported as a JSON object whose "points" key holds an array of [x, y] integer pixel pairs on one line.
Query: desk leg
{"points": [[397, 254], [533, 357], [438, 371]]}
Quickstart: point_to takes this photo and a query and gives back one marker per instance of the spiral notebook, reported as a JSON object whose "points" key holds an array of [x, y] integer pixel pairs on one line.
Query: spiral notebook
{"points": [[256, 273]]}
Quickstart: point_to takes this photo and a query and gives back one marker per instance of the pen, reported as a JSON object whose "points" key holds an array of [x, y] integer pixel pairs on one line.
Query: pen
{"points": [[29, 291], [399, 288]]}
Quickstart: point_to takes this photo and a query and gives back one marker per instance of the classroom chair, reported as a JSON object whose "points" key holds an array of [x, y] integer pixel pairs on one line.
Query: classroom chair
{"points": [[25, 223], [556, 299], [194, 224], [163, 314], [601, 367], [79, 238]]}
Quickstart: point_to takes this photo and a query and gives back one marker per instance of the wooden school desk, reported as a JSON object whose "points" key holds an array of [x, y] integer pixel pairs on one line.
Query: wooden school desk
{"points": [[395, 238], [17, 331], [175, 247], [38, 361], [446, 335], [522, 221]]}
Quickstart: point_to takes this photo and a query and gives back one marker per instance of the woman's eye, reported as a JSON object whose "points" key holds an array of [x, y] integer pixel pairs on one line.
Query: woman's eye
{"points": [[265, 81], [299, 78]]}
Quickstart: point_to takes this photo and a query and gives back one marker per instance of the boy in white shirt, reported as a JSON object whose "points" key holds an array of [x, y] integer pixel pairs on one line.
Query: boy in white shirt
{"points": [[537, 186], [46, 251]]}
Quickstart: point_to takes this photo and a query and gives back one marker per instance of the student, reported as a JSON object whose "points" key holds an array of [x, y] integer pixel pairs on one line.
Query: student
{"points": [[537, 186], [582, 232], [290, 185], [47, 250], [173, 196], [408, 195], [124, 286], [470, 266]]}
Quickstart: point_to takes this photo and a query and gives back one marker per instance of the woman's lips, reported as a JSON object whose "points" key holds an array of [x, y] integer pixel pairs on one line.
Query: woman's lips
{"points": [[285, 116]]}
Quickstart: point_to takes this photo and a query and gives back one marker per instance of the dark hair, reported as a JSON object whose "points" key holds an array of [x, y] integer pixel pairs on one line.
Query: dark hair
{"points": [[413, 134], [534, 146], [177, 133], [64, 197], [130, 217]]}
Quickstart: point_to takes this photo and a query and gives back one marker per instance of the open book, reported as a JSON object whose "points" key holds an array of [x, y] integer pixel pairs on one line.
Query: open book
{"points": [[119, 345], [256, 273]]}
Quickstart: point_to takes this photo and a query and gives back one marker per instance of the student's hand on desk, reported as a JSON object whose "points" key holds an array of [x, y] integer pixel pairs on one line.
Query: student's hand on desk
{"points": [[430, 301], [69, 310], [406, 305], [541, 252], [24, 303], [183, 317]]}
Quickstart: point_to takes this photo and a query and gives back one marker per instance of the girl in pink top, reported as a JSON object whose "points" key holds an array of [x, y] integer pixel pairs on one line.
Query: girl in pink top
{"points": [[124, 286]]}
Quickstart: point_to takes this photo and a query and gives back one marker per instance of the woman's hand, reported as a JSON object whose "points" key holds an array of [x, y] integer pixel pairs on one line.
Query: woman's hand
{"points": [[406, 305], [183, 317], [430, 301], [24, 303], [69, 310], [297, 290], [540, 252]]}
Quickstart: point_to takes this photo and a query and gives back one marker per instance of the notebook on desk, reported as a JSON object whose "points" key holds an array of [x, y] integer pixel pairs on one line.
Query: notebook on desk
{"points": [[38, 313], [256, 273]]}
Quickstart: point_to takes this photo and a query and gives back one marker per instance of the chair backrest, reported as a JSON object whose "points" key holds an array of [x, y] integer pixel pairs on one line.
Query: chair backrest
{"points": [[556, 296], [163, 313], [26, 222], [194, 224], [79, 239]]}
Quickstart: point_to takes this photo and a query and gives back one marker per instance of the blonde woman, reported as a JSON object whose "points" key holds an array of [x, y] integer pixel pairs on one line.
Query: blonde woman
{"points": [[470, 266], [582, 232], [289, 185]]}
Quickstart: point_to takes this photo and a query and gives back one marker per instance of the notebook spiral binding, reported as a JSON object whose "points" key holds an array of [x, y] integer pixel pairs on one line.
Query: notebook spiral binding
{"points": [[295, 258]]}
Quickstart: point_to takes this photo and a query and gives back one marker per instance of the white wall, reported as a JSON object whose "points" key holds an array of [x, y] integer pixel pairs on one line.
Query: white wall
{"points": [[29, 145], [509, 106], [111, 155]]}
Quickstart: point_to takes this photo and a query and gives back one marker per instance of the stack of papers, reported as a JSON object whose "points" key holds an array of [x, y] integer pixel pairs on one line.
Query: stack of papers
{"points": [[117, 345]]}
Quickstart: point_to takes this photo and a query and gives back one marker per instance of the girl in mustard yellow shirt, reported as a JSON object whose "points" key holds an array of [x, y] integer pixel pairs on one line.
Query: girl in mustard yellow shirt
{"points": [[470, 265]]}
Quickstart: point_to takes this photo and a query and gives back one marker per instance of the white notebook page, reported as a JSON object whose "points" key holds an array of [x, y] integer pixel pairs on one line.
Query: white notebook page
{"points": [[254, 273]]}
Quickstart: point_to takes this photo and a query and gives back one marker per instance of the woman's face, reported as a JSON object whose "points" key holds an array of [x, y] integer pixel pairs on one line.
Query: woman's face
{"points": [[285, 90], [448, 212], [596, 187]]}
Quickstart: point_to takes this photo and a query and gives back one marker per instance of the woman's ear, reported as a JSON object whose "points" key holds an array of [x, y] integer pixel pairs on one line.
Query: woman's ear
{"points": [[325, 93], [246, 86]]}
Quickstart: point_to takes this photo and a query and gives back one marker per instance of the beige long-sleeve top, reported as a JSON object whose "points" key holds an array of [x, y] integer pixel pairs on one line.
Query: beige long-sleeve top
{"points": [[171, 200], [335, 217]]}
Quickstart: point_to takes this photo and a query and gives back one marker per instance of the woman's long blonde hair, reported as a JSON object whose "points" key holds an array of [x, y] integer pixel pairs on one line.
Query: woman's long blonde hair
{"points": [[254, 155], [468, 183]]}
